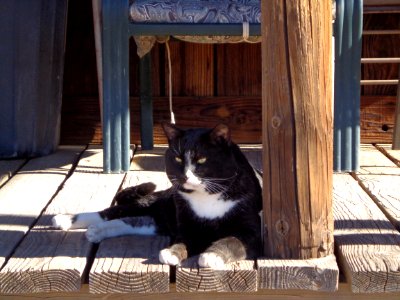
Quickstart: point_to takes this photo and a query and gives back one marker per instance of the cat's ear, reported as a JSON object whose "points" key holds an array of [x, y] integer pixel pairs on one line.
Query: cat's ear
{"points": [[171, 131], [221, 133]]}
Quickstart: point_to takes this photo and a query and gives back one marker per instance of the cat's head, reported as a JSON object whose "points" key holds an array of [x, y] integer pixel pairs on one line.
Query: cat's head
{"points": [[200, 159]]}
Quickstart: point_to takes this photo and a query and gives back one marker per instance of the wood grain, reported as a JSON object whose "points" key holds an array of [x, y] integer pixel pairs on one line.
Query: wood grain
{"points": [[297, 128], [372, 161], [242, 114], [384, 190], [240, 276], [54, 260], [8, 168], [320, 274], [377, 119], [130, 265], [238, 70], [192, 69], [367, 244], [26, 193], [379, 176], [394, 155]]}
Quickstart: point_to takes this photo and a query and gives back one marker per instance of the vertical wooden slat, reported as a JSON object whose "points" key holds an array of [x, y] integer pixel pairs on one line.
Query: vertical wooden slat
{"points": [[192, 69], [238, 70], [297, 128]]}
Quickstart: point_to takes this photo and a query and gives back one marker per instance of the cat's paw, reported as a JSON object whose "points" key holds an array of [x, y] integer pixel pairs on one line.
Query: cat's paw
{"points": [[94, 234], [166, 257], [211, 260], [63, 222]]}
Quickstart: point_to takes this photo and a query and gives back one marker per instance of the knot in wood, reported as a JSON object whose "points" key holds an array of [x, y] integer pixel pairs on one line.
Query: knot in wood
{"points": [[282, 227], [276, 122]]}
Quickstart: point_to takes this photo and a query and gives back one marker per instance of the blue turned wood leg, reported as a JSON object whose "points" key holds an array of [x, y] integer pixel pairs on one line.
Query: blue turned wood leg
{"points": [[115, 60], [348, 32], [146, 104]]}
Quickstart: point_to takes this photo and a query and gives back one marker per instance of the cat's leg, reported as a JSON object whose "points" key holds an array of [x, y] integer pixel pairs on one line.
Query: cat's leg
{"points": [[82, 220], [222, 251], [126, 226], [135, 206], [173, 255]]}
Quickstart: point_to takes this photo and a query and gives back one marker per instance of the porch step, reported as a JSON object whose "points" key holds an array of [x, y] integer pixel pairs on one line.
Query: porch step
{"points": [[45, 260]]}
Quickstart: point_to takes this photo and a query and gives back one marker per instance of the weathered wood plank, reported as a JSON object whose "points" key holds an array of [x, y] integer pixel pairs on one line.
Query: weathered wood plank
{"points": [[54, 260], [130, 264], [384, 190], [28, 192], [367, 244], [240, 276], [8, 168], [393, 154], [372, 161], [319, 274]]}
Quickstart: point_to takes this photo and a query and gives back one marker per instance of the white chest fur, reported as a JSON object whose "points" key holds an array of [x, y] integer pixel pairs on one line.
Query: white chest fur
{"points": [[208, 206]]}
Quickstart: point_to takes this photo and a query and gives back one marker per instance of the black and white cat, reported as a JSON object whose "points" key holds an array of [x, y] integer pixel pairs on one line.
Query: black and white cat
{"points": [[211, 210]]}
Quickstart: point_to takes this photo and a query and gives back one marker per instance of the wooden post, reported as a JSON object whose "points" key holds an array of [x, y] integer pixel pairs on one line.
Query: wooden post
{"points": [[297, 128]]}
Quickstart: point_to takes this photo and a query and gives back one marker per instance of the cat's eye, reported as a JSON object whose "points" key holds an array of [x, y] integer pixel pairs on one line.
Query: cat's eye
{"points": [[201, 160], [178, 159]]}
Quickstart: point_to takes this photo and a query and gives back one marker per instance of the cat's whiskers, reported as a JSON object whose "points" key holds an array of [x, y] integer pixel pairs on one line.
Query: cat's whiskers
{"points": [[220, 179], [214, 187]]}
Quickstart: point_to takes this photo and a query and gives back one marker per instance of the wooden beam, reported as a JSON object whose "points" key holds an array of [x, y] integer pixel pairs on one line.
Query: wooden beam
{"points": [[297, 128], [130, 264], [240, 276], [319, 274]]}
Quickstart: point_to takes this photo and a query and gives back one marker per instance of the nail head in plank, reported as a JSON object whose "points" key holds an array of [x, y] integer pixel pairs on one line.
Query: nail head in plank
{"points": [[240, 276], [28, 192], [319, 274], [130, 264], [367, 244], [53, 260]]}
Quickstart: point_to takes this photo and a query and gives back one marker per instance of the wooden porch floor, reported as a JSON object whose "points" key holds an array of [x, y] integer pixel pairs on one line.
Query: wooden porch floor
{"points": [[39, 261]]}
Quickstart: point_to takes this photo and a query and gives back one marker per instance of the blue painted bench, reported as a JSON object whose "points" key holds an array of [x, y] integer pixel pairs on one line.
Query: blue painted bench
{"points": [[118, 27]]}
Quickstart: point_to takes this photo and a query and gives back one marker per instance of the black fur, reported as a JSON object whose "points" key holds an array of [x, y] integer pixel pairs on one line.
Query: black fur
{"points": [[233, 236]]}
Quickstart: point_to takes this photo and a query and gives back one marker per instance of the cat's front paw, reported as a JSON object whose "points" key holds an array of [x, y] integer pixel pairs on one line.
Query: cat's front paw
{"points": [[94, 234], [63, 222], [211, 260], [168, 258]]}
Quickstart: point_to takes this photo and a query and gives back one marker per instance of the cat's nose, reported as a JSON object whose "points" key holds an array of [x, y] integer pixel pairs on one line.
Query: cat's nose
{"points": [[192, 178]]}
